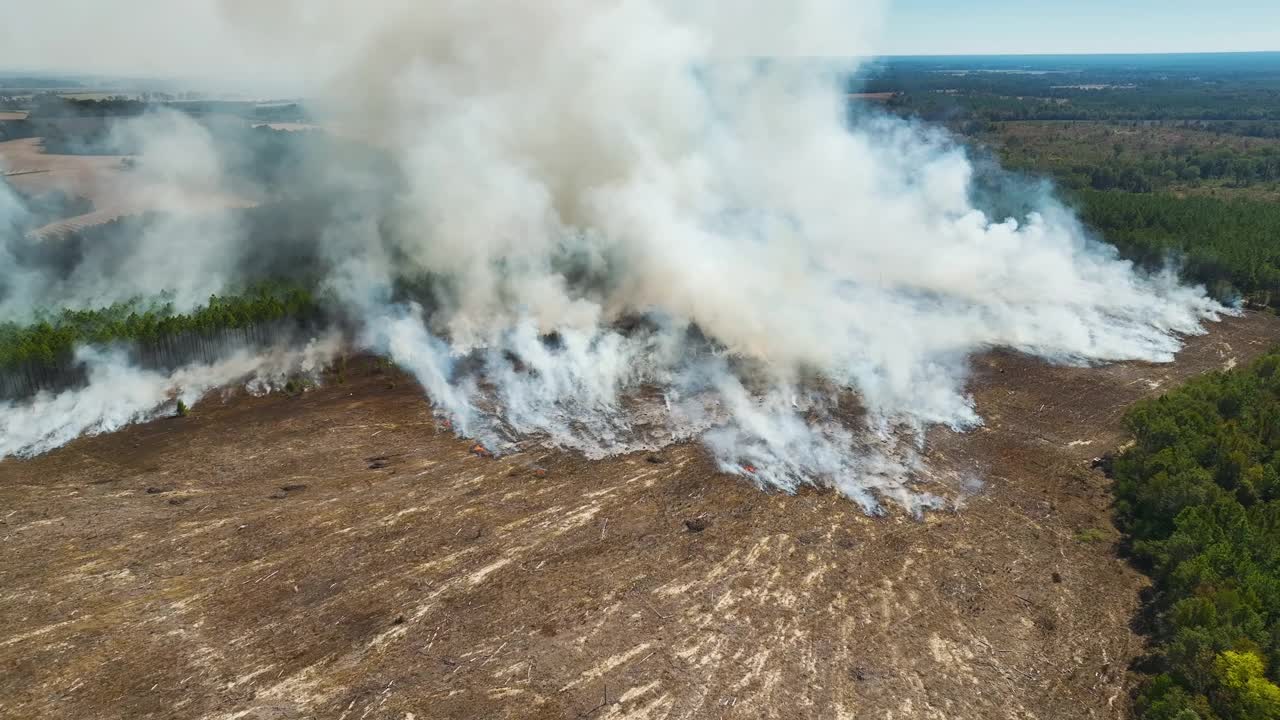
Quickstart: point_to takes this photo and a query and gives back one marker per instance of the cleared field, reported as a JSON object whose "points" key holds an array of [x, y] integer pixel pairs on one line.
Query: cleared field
{"points": [[28, 168], [114, 190], [338, 555]]}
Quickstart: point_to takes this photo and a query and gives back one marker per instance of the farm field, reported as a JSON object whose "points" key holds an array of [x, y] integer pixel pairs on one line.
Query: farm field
{"points": [[113, 189]]}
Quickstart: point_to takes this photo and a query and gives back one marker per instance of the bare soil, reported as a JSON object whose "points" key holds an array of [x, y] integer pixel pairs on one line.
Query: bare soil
{"points": [[336, 555]]}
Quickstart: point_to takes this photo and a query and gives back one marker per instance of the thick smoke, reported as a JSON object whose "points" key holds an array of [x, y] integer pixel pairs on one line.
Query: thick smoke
{"points": [[188, 248], [646, 221]]}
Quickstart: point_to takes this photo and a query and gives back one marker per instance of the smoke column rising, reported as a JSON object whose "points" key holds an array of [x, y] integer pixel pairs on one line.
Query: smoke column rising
{"points": [[573, 163], [570, 164]]}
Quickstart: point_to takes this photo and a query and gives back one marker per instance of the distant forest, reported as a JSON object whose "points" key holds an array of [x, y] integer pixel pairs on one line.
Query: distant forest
{"points": [[1243, 88], [1174, 159], [53, 105], [78, 126]]}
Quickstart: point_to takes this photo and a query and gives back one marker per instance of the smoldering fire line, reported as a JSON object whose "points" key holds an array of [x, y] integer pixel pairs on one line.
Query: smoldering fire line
{"points": [[163, 355], [118, 393]]}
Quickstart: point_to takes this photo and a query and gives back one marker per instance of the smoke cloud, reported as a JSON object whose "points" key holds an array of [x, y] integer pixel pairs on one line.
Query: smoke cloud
{"points": [[648, 221]]}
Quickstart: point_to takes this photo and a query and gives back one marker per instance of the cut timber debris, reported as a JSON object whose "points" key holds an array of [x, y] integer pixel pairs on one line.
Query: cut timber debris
{"points": [[696, 525]]}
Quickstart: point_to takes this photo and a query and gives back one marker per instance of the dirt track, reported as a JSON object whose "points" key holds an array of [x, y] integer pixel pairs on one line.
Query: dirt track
{"points": [[167, 572]]}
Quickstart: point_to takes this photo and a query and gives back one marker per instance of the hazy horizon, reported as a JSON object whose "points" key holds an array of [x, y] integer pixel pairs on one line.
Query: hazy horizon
{"points": [[157, 39], [71, 74]]}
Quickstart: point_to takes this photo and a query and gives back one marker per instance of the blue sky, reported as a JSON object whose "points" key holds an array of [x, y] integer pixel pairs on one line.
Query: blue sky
{"points": [[983, 27]]}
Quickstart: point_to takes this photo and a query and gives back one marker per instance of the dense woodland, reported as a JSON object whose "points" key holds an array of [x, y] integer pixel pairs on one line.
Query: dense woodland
{"points": [[1178, 166], [1199, 496], [54, 337], [1230, 246]]}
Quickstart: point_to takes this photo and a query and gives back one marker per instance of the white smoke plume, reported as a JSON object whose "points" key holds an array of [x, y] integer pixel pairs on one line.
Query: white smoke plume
{"points": [[637, 144], [570, 165]]}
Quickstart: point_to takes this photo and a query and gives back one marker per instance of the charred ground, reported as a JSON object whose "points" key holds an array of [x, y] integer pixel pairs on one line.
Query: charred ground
{"points": [[336, 554]]}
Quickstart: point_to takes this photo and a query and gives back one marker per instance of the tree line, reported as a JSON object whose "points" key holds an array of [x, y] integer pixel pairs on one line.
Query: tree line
{"points": [[1198, 496], [1125, 105], [49, 343], [1177, 167], [1230, 246]]}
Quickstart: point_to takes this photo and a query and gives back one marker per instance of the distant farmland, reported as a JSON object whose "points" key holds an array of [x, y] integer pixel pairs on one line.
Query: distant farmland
{"points": [[105, 181]]}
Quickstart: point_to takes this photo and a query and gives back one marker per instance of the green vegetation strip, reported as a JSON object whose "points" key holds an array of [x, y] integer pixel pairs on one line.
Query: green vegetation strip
{"points": [[1091, 158], [1230, 246], [52, 339], [1199, 496]]}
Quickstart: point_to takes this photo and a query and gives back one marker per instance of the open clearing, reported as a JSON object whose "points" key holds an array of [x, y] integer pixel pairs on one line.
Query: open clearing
{"points": [[28, 168], [336, 555], [114, 190]]}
